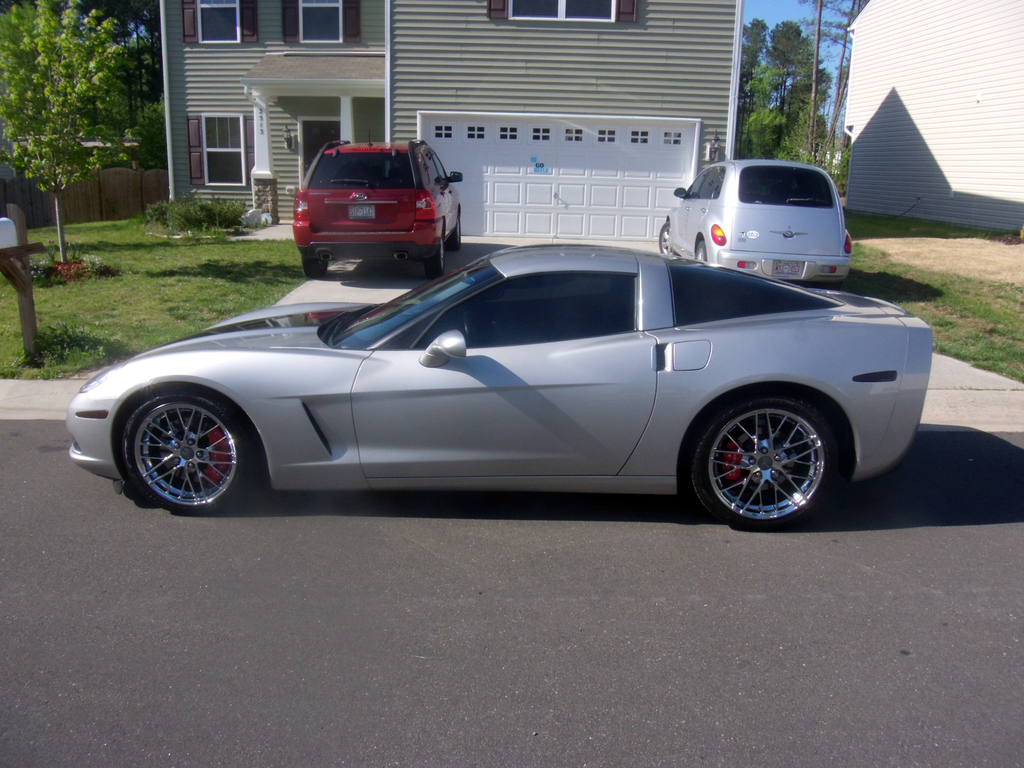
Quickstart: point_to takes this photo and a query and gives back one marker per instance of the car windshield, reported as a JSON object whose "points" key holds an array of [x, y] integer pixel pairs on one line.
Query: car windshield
{"points": [[365, 331], [783, 185], [362, 170]]}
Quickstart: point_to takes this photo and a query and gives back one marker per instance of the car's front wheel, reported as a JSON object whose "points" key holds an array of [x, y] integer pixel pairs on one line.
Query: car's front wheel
{"points": [[433, 266], [188, 453], [665, 239], [765, 462]]}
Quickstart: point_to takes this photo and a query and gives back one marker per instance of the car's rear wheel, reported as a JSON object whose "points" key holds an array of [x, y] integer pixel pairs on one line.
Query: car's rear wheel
{"points": [[665, 239], [433, 266], [455, 236], [700, 251], [764, 463], [189, 454], [314, 268]]}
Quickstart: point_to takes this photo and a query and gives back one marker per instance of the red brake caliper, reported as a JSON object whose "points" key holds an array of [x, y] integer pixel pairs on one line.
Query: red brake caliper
{"points": [[218, 465], [732, 460]]}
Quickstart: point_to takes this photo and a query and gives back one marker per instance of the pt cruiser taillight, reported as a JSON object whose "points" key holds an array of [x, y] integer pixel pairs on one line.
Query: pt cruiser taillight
{"points": [[848, 246], [717, 234]]}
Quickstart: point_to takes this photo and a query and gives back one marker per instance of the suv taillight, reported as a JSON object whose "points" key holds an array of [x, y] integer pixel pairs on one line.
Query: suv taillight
{"points": [[301, 207], [848, 246], [425, 210]]}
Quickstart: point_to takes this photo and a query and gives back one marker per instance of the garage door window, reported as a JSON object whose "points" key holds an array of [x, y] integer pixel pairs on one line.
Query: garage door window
{"points": [[562, 9]]}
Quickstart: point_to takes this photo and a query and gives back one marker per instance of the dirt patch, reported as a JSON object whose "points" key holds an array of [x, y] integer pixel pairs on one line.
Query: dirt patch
{"points": [[969, 257]]}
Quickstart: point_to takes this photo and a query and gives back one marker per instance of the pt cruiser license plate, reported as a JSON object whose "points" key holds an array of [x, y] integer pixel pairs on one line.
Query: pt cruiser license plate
{"points": [[362, 211], [789, 268]]}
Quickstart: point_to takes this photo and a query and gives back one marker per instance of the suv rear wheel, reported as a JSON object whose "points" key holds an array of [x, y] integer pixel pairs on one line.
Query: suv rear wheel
{"points": [[434, 265], [315, 268]]}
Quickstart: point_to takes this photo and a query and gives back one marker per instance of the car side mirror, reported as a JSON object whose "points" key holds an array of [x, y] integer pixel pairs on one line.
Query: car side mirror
{"points": [[454, 176], [442, 349], [680, 193]]}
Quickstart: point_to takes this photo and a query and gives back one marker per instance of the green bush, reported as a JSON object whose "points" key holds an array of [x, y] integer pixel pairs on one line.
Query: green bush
{"points": [[193, 215]]}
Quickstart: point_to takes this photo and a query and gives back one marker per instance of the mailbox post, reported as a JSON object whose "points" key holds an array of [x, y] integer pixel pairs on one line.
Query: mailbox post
{"points": [[15, 265]]}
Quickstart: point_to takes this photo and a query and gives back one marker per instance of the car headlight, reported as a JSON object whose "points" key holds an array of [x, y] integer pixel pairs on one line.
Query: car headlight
{"points": [[98, 379]]}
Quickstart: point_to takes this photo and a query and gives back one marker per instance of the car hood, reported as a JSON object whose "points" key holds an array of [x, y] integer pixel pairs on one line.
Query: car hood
{"points": [[290, 326]]}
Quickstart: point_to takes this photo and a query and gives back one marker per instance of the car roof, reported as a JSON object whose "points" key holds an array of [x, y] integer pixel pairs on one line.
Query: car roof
{"points": [[777, 163], [531, 259], [383, 147]]}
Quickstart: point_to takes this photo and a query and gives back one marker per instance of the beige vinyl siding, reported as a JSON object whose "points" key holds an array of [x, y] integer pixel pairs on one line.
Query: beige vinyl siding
{"points": [[205, 77], [676, 61], [936, 110]]}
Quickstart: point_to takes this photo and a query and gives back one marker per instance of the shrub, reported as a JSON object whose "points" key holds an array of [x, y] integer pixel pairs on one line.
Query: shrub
{"points": [[193, 215], [50, 271]]}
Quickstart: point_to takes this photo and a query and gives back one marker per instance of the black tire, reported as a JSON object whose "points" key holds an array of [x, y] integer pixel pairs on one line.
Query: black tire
{"points": [[700, 251], [665, 239], [764, 463], [433, 266], [455, 236], [190, 454], [315, 269]]}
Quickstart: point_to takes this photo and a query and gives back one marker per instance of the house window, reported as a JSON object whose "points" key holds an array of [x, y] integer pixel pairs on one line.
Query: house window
{"points": [[639, 137], [673, 137], [475, 132], [218, 21], [442, 131], [606, 136], [508, 132], [321, 20], [574, 134], [223, 149], [601, 10], [542, 134]]}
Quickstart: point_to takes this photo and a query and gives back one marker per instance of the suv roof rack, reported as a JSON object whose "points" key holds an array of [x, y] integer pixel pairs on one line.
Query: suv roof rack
{"points": [[336, 143]]}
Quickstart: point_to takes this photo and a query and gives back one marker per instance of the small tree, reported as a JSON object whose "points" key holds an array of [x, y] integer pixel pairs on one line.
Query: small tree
{"points": [[56, 65]]}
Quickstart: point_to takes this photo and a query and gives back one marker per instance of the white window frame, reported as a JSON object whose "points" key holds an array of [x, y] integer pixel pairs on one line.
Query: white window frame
{"points": [[613, 13], [241, 150], [221, 4], [303, 4]]}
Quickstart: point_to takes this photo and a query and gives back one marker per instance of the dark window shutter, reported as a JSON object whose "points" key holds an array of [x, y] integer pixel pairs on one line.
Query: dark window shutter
{"points": [[627, 10], [497, 9], [290, 20], [351, 21], [195, 150], [250, 146], [189, 21], [247, 12]]}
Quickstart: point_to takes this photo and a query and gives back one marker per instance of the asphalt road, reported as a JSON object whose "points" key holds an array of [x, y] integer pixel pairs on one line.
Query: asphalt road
{"points": [[513, 630]]}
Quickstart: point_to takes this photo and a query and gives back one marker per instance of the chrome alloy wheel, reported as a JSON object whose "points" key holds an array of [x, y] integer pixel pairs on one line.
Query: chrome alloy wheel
{"points": [[766, 464], [184, 454]]}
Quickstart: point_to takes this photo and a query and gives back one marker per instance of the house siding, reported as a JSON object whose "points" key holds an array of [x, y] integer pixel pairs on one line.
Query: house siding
{"points": [[205, 77], [941, 109], [675, 61]]}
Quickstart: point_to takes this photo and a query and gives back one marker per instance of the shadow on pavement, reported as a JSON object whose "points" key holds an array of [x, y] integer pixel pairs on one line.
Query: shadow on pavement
{"points": [[952, 476], [395, 273]]}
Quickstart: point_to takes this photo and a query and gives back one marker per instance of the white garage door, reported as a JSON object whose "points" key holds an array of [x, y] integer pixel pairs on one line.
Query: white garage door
{"points": [[567, 176]]}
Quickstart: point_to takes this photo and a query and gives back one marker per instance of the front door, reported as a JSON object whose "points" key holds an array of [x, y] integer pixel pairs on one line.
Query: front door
{"points": [[315, 133]]}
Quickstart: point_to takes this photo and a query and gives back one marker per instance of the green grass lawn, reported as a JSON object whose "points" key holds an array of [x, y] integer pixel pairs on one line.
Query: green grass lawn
{"points": [[863, 226], [171, 288], [168, 288]]}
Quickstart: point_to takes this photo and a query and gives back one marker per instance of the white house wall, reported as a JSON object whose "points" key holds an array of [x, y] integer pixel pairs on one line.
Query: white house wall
{"points": [[936, 111]]}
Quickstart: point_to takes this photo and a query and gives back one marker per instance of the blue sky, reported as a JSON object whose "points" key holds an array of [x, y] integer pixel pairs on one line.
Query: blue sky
{"points": [[774, 11]]}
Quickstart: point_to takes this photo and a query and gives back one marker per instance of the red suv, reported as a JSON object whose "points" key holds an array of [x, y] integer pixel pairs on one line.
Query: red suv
{"points": [[388, 199]]}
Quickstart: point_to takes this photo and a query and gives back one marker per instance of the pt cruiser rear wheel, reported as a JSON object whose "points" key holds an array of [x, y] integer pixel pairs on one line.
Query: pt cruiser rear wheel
{"points": [[764, 463]]}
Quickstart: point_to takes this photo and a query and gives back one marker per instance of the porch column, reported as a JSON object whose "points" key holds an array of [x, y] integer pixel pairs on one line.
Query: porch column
{"points": [[347, 128], [264, 183]]}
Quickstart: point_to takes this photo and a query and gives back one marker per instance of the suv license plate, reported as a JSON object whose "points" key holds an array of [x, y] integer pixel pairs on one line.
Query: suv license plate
{"points": [[362, 211], [789, 268]]}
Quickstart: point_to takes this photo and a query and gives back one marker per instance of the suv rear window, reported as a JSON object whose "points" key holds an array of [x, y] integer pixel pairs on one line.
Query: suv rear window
{"points": [[780, 185], [373, 170]]}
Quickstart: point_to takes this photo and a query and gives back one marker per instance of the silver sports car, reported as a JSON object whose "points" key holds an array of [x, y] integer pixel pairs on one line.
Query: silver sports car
{"points": [[533, 369]]}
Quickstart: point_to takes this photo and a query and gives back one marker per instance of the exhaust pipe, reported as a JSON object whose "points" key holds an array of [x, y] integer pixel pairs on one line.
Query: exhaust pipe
{"points": [[401, 255], [324, 254]]}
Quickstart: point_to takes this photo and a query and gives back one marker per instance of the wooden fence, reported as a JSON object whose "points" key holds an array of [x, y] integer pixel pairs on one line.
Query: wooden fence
{"points": [[115, 193]]}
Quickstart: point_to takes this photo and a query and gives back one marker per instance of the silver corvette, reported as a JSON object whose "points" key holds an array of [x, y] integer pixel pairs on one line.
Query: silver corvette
{"points": [[533, 369]]}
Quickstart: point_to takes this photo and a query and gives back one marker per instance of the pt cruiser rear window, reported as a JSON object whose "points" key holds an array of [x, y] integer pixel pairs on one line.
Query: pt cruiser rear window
{"points": [[781, 185]]}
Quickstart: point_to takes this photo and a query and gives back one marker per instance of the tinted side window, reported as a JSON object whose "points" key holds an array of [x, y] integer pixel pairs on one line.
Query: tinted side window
{"points": [[780, 185], [372, 170], [702, 294], [698, 183], [712, 186], [537, 309]]}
